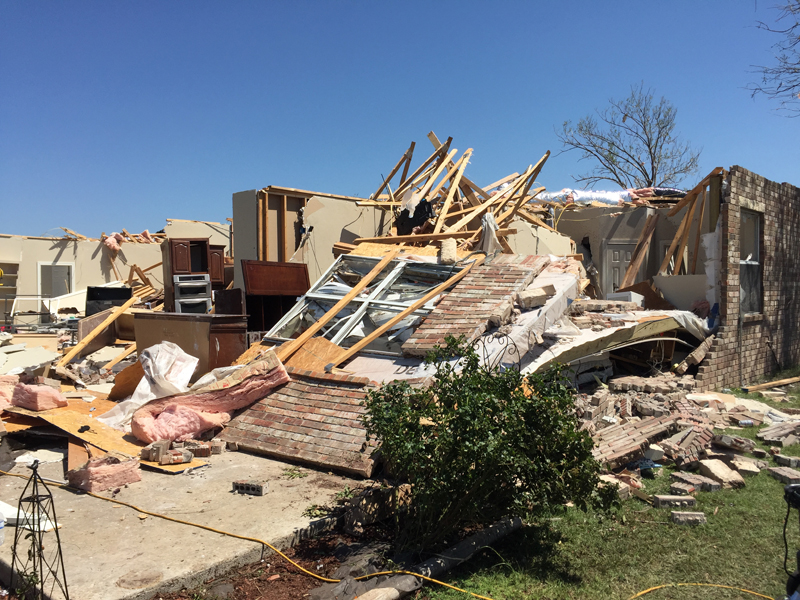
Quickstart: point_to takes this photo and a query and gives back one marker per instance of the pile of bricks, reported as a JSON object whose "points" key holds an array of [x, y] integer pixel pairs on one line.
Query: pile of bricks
{"points": [[620, 444]]}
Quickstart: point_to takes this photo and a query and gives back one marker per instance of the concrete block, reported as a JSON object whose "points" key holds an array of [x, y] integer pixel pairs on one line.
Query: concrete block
{"points": [[663, 501], [176, 457], [654, 453], [251, 487], [759, 453], [787, 461], [734, 442], [785, 474], [688, 518], [199, 449], [217, 446], [155, 451], [718, 471], [745, 467], [623, 489], [789, 440]]}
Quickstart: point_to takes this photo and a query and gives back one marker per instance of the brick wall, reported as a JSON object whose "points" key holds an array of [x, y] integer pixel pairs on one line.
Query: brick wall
{"points": [[751, 345], [315, 418], [467, 308]]}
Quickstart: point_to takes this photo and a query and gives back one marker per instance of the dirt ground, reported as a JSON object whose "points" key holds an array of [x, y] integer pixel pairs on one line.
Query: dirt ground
{"points": [[273, 578]]}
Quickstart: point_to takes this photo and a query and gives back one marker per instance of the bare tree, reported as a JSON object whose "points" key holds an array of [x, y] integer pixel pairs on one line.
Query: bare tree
{"points": [[633, 142], [781, 81]]}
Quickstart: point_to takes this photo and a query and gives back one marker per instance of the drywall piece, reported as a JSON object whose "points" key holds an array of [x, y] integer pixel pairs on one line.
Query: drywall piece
{"points": [[12, 516], [682, 290], [590, 342], [531, 240], [29, 360], [330, 220]]}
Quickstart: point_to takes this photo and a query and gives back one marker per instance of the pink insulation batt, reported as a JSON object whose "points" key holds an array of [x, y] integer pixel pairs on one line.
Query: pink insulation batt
{"points": [[7, 384], [104, 473], [37, 397], [185, 416]]}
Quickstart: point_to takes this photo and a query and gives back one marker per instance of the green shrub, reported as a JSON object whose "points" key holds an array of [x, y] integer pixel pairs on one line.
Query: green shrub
{"points": [[480, 444]]}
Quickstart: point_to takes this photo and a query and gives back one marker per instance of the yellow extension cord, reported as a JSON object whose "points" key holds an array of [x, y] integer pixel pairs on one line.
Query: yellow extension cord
{"points": [[250, 539], [327, 580]]}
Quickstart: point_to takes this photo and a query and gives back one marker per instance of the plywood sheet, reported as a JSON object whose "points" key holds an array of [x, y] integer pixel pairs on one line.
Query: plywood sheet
{"points": [[93, 432], [315, 354], [126, 381], [252, 353]]}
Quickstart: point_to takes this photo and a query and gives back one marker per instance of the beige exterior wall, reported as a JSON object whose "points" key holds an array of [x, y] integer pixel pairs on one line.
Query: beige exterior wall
{"points": [[219, 234], [90, 262]]}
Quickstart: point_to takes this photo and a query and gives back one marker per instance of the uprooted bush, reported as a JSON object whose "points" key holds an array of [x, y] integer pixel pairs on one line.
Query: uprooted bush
{"points": [[482, 443]]}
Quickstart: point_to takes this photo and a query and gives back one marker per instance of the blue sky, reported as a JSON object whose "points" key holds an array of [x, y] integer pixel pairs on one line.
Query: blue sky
{"points": [[122, 114]]}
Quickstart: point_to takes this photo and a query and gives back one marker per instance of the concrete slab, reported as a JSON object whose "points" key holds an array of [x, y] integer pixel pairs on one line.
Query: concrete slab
{"points": [[110, 553]]}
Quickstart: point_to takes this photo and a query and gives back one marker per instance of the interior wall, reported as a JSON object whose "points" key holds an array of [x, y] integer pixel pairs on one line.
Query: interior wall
{"points": [[533, 240], [331, 220], [245, 232]]}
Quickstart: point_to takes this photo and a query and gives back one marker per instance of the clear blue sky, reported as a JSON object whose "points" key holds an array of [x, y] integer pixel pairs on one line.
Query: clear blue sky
{"points": [[121, 114]]}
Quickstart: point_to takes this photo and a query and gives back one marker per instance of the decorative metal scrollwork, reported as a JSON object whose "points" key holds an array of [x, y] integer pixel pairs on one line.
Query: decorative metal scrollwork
{"points": [[497, 350]]}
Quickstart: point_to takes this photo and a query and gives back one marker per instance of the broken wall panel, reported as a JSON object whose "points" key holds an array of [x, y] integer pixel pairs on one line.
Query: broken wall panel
{"points": [[315, 419]]}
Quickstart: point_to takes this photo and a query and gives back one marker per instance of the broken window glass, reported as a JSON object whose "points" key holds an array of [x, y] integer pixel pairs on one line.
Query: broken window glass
{"points": [[399, 285], [750, 289]]}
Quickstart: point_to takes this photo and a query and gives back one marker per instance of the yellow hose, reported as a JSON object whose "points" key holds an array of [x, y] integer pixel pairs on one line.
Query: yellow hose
{"points": [[727, 587]]}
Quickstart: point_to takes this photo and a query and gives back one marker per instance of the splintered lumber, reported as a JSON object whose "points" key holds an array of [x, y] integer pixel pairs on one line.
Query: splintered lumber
{"points": [[500, 182], [702, 201], [96, 331], [771, 384], [427, 188], [685, 237], [462, 163], [435, 141], [428, 237], [405, 159], [692, 194], [285, 351], [130, 349], [640, 251], [442, 149], [678, 235], [365, 341]]}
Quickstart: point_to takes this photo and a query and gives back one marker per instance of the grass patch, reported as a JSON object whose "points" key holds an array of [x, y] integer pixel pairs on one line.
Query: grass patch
{"points": [[585, 555]]}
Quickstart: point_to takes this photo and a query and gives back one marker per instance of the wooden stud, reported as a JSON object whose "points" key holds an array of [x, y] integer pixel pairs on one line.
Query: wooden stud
{"points": [[283, 250], [435, 140], [409, 154], [662, 270], [428, 237], [406, 159], [426, 189], [702, 201], [499, 182], [684, 238], [692, 194], [443, 149], [76, 349], [285, 351], [462, 163], [365, 341], [640, 251], [130, 349]]}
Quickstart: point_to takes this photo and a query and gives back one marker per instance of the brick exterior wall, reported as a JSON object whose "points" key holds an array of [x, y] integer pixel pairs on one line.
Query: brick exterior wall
{"points": [[751, 345], [467, 308], [315, 418]]}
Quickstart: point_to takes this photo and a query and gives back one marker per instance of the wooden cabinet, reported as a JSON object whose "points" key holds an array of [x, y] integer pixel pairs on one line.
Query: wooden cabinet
{"points": [[181, 260], [216, 267]]}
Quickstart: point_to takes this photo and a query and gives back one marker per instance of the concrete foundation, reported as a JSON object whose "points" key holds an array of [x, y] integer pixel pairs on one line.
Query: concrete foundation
{"points": [[113, 552]]}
